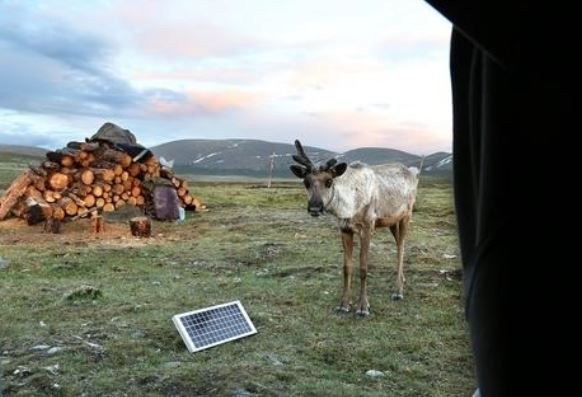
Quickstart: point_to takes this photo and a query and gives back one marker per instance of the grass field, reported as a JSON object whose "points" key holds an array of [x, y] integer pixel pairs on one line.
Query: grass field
{"points": [[256, 245]]}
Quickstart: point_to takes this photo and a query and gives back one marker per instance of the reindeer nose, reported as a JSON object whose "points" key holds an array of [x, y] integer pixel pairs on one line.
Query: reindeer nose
{"points": [[315, 210]]}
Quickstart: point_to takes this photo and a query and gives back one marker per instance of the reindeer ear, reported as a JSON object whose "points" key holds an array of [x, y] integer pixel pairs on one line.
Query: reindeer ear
{"points": [[299, 172], [338, 169]]}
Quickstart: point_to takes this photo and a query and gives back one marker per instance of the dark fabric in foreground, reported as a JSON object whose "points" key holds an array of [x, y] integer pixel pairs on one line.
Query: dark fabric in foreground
{"points": [[514, 72]]}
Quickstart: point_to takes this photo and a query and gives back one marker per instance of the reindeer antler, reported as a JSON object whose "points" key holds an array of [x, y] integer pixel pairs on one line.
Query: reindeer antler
{"points": [[328, 164], [301, 157]]}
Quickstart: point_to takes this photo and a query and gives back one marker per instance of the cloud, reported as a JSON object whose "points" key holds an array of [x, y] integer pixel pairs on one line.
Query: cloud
{"points": [[50, 68]]}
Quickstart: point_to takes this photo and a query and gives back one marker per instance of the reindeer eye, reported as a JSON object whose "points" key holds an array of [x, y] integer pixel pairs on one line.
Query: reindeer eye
{"points": [[328, 183], [307, 183]]}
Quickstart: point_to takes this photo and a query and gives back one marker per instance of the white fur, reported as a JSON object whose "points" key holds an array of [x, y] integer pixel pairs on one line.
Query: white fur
{"points": [[364, 194]]}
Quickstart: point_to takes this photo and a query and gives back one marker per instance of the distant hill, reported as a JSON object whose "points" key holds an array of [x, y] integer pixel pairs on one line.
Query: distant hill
{"points": [[252, 157], [30, 151]]}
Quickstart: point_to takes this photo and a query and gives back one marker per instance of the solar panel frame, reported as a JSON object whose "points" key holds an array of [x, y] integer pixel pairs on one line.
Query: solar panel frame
{"points": [[187, 338]]}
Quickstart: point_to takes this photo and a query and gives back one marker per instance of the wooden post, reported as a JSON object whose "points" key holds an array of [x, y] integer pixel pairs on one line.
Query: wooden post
{"points": [[271, 166], [97, 225], [52, 225], [140, 226]]}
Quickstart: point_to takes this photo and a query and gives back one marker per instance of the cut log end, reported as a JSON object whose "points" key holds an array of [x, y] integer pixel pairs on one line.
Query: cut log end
{"points": [[140, 226]]}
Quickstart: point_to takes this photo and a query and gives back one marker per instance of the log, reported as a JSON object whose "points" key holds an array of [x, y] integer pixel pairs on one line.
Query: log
{"points": [[132, 201], [140, 200], [181, 192], [135, 191], [58, 181], [187, 199], [117, 169], [80, 189], [197, 204], [34, 196], [40, 184], [38, 171], [54, 157], [166, 173], [81, 213], [19, 209], [140, 226], [87, 177], [58, 213], [90, 146], [116, 156], [119, 203], [128, 184], [134, 169], [104, 174], [14, 192], [97, 190], [67, 161], [100, 202], [118, 188], [49, 196], [108, 207], [89, 200], [76, 199], [50, 165], [75, 145], [69, 206]]}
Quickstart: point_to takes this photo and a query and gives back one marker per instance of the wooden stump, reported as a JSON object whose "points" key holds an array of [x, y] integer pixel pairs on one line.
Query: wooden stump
{"points": [[52, 225], [141, 226], [97, 225]]}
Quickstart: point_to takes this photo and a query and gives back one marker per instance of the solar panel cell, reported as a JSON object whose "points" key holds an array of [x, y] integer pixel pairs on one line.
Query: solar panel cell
{"points": [[212, 326]]}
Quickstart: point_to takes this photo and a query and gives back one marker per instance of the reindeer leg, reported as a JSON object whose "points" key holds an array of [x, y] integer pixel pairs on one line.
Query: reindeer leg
{"points": [[348, 245], [402, 229], [364, 305]]}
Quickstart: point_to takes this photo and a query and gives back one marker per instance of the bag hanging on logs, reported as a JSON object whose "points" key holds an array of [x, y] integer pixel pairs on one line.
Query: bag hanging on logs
{"points": [[166, 203]]}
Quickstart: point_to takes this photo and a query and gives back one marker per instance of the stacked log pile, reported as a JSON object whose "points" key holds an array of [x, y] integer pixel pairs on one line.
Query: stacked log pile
{"points": [[85, 178]]}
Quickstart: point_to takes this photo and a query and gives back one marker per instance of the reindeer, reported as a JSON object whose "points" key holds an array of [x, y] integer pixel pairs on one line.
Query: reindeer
{"points": [[363, 198]]}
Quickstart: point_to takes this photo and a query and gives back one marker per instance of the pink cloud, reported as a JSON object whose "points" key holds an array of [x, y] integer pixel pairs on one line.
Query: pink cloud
{"points": [[204, 102], [354, 129], [222, 75]]}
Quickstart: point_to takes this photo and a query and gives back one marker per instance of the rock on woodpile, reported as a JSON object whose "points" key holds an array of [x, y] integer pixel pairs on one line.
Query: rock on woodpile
{"points": [[99, 175]]}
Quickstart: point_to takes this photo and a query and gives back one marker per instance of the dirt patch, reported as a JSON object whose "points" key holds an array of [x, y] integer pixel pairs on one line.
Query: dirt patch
{"points": [[15, 231]]}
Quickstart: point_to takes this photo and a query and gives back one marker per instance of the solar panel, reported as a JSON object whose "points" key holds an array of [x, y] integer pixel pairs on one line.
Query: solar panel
{"points": [[204, 328]]}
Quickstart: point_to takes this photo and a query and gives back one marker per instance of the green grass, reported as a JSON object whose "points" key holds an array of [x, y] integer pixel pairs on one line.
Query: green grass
{"points": [[255, 245], [12, 165]]}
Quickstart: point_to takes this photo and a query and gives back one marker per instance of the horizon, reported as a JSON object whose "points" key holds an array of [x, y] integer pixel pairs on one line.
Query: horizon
{"points": [[365, 75], [249, 139]]}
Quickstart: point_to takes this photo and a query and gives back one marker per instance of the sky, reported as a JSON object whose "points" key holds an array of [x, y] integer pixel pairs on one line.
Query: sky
{"points": [[335, 74]]}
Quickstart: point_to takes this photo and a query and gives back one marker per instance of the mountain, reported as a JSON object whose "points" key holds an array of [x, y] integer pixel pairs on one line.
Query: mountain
{"points": [[253, 157], [29, 151]]}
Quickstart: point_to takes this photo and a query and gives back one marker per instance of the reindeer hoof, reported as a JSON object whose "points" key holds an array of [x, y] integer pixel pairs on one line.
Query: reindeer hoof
{"points": [[342, 309], [362, 313], [397, 297]]}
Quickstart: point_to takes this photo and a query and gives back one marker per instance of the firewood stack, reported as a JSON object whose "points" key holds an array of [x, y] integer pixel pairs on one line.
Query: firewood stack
{"points": [[84, 178]]}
